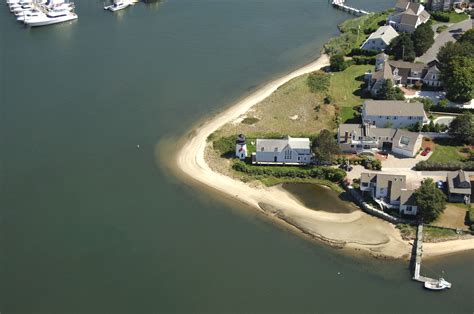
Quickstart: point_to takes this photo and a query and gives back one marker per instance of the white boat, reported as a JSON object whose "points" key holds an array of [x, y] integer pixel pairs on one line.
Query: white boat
{"points": [[22, 8], [26, 12], [29, 15], [440, 284], [117, 5], [53, 17]]}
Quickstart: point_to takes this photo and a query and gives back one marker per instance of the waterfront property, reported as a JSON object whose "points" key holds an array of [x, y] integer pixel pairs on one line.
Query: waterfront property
{"points": [[402, 73], [408, 16], [290, 151], [389, 191], [446, 5], [359, 138], [380, 39], [393, 113], [459, 187]]}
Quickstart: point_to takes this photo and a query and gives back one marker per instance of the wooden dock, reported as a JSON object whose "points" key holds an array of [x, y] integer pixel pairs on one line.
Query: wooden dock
{"points": [[418, 255], [340, 4]]}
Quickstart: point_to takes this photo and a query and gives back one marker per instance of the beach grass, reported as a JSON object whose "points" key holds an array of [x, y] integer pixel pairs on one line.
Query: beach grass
{"points": [[272, 181], [291, 110]]}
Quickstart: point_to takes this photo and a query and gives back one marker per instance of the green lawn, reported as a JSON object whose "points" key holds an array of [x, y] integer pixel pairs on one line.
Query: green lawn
{"points": [[446, 152], [345, 88], [456, 18]]}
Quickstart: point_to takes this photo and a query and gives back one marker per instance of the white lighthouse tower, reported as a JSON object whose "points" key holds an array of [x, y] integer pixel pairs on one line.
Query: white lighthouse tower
{"points": [[240, 147]]}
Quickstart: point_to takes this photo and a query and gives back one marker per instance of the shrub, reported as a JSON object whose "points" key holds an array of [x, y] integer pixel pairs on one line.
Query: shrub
{"points": [[470, 217], [363, 52], [318, 81], [225, 145], [319, 172], [449, 166], [441, 28], [250, 120], [363, 60], [440, 16], [338, 63], [328, 99]]}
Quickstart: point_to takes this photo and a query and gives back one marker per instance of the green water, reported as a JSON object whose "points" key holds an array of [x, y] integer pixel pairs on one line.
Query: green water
{"points": [[91, 224], [319, 197]]}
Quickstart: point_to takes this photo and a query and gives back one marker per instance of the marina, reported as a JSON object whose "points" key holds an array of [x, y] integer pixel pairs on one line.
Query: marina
{"points": [[35, 13]]}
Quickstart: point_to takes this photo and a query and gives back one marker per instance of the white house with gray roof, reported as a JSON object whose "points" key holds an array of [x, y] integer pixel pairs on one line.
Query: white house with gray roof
{"points": [[390, 191], [360, 138], [393, 113], [290, 150], [380, 39], [408, 16]]}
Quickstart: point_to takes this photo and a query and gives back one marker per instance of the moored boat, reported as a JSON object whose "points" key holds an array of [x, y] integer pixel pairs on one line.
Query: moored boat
{"points": [[440, 284], [118, 5]]}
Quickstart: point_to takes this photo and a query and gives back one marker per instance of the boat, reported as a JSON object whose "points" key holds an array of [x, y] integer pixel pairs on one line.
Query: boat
{"points": [[27, 15], [440, 284], [117, 5], [52, 17]]}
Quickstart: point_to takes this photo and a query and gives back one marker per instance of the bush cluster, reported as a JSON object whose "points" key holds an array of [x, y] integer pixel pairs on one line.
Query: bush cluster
{"points": [[363, 60], [363, 52], [448, 166], [224, 145], [440, 16], [365, 161], [318, 81], [326, 173]]}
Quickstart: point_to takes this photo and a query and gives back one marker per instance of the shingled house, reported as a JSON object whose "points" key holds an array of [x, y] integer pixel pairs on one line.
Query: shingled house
{"points": [[389, 190], [380, 39], [359, 138], [393, 113], [459, 186], [402, 73], [408, 16]]}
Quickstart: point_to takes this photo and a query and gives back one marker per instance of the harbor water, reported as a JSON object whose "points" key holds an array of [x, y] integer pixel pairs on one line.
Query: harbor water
{"points": [[92, 223]]}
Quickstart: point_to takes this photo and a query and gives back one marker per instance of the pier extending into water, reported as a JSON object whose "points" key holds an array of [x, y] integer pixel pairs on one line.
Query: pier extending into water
{"points": [[340, 4], [418, 254]]}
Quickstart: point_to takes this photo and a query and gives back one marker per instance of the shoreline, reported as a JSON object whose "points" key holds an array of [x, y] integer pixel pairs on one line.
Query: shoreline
{"points": [[379, 238]]}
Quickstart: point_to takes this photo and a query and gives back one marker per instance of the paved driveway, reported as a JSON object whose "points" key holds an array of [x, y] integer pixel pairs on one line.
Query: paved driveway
{"points": [[444, 120], [448, 35]]}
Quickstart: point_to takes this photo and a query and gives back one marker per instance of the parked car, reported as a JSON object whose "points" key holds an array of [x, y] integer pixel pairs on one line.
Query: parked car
{"points": [[440, 184], [346, 167], [426, 151]]}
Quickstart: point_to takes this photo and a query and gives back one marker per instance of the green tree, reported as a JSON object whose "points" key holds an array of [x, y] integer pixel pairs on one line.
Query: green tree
{"points": [[325, 146], [388, 92], [338, 63], [430, 200], [402, 47], [462, 128], [423, 38], [458, 78]]}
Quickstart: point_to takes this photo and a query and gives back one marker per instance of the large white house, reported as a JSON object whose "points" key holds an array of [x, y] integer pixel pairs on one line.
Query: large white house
{"points": [[393, 113], [360, 138], [390, 191], [290, 150], [408, 16], [380, 39]]}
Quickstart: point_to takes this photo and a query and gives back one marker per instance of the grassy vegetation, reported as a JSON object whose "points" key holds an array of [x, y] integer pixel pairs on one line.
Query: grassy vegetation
{"points": [[272, 181], [346, 86], [446, 151], [456, 18], [354, 33], [318, 81], [441, 28], [291, 110], [430, 234], [250, 120]]}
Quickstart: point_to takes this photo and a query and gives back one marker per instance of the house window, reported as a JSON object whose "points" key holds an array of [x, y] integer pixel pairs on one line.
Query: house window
{"points": [[433, 77], [388, 118], [298, 158], [262, 149], [365, 184], [395, 118], [409, 118], [288, 154]]}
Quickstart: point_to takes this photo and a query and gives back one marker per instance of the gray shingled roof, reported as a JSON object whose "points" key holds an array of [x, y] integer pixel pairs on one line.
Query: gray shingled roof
{"points": [[401, 4], [409, 18], [404, 134], [277, 145], [459, 182], [386, 33], [393, 108], [407, 197]]}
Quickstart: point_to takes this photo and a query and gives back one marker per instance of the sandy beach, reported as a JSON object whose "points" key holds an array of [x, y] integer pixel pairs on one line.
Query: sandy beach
{"points": [[356, 230]]}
